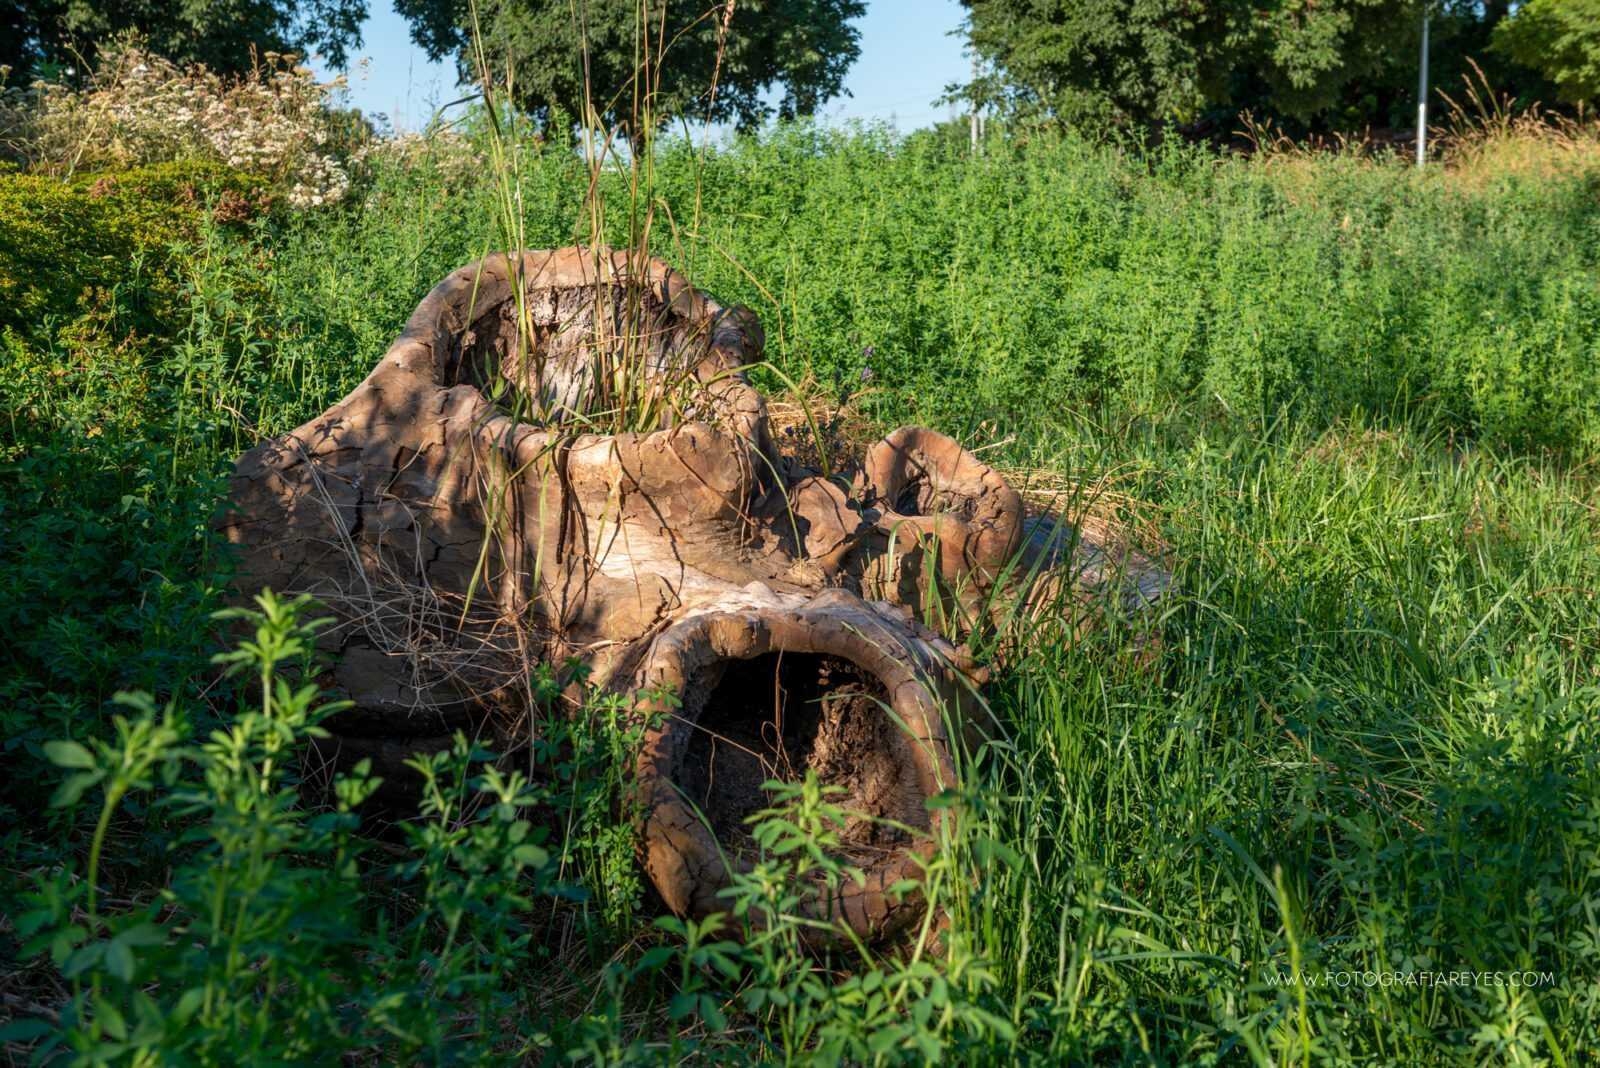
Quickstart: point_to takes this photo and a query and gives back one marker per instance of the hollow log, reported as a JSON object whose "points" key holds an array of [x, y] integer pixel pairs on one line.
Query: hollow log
{"points": [[562, 460]]}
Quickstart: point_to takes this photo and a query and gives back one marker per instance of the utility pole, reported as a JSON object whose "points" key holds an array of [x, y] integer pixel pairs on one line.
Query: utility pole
{"points": [[1422, 95], [974, 115]]}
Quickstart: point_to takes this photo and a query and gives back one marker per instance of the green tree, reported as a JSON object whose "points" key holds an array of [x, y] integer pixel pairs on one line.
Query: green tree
{"points": [[1333, 63], [1561, 40], [744, 48], [38, 34]]}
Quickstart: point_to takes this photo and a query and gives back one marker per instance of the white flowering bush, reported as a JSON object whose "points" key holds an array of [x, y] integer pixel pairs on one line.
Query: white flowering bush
{"points": [[140, 108]]}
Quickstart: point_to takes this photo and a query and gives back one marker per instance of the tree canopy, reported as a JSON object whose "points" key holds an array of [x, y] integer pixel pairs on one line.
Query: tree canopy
{"points": [[1561, 40], [1331, 64], [38, 34], [803, 46]]}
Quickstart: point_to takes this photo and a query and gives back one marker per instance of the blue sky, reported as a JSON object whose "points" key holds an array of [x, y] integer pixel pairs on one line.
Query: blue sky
{"points": [[907, 58]]}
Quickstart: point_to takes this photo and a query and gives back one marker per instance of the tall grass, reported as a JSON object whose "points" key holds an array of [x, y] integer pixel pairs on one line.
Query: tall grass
{"points": [[1355, 403]]}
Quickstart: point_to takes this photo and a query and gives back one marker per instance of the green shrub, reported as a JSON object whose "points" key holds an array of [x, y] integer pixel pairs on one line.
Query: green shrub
{"points": [[107, 478], [264, 946], [67, 245]]}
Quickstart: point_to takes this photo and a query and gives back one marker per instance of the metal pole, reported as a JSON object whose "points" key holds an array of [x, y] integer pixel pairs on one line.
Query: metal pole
{"points": [[974, 116], [1422, 96]]}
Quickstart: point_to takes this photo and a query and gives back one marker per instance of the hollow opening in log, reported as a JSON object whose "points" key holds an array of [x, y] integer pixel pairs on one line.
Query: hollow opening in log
{"points": [[775, 716], [923, 496], [582, 339]]}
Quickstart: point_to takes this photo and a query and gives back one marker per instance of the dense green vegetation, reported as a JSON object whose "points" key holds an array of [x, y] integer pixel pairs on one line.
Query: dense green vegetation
{"points": [[1359, 405]]}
